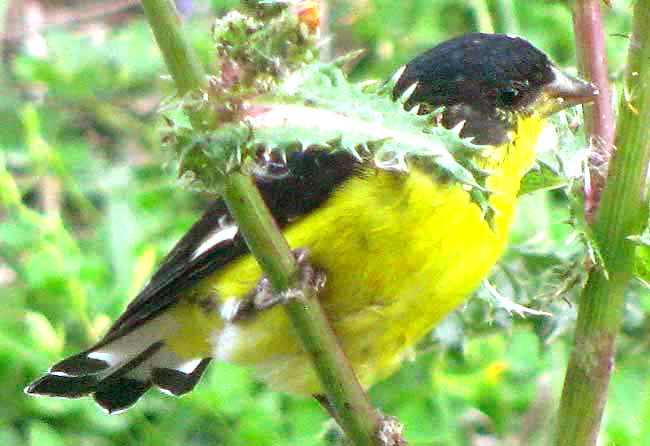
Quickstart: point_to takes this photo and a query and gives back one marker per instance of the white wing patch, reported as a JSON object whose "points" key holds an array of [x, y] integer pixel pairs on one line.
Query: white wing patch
{"points": [[219, 235]]}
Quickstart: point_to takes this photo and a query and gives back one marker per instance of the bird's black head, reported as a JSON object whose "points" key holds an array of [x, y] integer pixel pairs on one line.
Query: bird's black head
{"points": [[485, 80]]}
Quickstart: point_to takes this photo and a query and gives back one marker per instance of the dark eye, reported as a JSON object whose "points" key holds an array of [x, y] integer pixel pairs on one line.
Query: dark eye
{"points": [[508, 96]]}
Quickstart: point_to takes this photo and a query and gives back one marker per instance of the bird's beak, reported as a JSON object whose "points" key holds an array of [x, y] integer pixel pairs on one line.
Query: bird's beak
{"points": [[565, 91]]}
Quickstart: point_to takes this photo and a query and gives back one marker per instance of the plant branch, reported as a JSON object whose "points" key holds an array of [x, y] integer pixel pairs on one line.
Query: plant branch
{"points": [[505, 17], [599, 117], [180, 58], [622, 213], [358, 418]]}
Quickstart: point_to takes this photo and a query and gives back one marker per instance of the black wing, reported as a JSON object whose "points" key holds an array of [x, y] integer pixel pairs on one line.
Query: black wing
{"points": [[291, 188]]}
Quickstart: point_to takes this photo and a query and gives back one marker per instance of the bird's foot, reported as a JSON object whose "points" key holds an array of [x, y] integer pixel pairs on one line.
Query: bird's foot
{"points": [[310, 280]]}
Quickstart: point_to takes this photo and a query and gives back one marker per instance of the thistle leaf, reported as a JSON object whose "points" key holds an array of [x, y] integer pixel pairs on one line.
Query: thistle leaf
{"points": [[271, 94]]}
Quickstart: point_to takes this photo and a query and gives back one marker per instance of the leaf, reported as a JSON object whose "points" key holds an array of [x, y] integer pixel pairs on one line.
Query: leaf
{"points": [[541, 178], [317, 106], [510, 306], [271, 94], [642, 259]]}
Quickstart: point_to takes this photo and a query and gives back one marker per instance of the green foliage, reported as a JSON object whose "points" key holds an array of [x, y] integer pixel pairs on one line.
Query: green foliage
{"points": [[542, 177], [272, 94], [642, 256], [86, 210], [75, 68]]}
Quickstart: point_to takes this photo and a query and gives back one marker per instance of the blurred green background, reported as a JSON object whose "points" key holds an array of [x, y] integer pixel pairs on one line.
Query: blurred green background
{"points": [[89, 204]]}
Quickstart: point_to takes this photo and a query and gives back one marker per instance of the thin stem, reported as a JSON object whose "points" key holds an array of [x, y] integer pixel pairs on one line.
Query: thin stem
{"points": [[358, 418], [622, 213], [599, 117], [260, 231], [180, 58], [505, 17]]}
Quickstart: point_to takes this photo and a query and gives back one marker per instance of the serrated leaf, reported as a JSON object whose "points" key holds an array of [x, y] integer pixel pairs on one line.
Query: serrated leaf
{"points": [[510, 306], [271, 94], [318, 106]]}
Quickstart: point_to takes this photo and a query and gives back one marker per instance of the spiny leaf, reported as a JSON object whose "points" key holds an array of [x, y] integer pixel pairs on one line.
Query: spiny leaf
{"points": [[509, 305], [271, 94], [316, 105]]}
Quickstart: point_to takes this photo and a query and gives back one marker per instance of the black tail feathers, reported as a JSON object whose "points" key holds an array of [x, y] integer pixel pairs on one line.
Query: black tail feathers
{"points": [[117, 379]]}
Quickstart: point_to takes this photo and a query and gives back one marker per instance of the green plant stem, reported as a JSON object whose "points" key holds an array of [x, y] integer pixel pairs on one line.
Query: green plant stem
{"points": [[356, 415], [262, 235], [505, 17], [599, 117], [482, 15], [180, 58], [358, 418], [623, 212]]}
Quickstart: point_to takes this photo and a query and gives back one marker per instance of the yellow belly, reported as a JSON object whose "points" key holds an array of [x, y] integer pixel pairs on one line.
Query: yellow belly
{"points": [[400, 253]]}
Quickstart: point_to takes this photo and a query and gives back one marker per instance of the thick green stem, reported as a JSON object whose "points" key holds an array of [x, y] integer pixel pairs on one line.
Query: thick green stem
{"points": [[358, 418], [622, 213]]}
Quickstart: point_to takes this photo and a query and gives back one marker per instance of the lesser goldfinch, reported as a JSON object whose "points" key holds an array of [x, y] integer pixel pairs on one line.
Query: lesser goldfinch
{"points": [[399, 250]]}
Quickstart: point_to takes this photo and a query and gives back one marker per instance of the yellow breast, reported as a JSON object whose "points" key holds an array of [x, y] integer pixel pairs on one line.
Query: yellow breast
{"points": [[400, 252]]}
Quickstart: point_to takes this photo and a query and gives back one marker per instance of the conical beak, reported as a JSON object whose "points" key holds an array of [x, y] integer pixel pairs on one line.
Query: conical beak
{"points": [[565, 91]]}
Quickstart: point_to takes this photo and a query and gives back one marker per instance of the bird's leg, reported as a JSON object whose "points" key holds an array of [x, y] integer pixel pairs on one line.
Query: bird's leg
{"points": [[263, 296]]}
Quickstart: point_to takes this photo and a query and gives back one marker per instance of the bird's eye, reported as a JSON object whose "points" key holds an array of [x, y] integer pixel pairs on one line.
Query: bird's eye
{"points": [[508, 96]]}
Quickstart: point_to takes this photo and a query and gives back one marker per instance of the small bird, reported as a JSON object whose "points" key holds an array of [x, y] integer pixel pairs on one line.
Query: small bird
{"points": [[397, 250]]}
